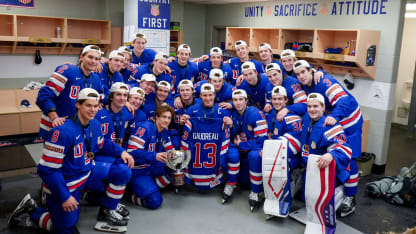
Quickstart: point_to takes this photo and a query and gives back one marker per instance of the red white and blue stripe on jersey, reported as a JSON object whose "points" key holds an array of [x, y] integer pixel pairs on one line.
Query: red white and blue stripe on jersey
{"points": [[351, 119], [52, 155], [135, 142], [335, 93], [56, 83], [261, 128]]}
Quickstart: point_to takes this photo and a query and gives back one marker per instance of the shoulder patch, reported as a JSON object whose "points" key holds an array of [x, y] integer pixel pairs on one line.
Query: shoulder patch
{"points": [[331, 133]]}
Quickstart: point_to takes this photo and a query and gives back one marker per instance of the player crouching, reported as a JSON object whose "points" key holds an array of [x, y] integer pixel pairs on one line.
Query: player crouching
{"points": [[67, 167]]}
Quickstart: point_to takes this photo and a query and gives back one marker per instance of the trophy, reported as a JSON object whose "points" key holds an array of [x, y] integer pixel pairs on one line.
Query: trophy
{"points": [[177, 160]]}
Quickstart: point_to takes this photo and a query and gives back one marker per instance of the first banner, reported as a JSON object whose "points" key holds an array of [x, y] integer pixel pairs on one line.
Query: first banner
{"points": [[18, 3], [154, 14]]}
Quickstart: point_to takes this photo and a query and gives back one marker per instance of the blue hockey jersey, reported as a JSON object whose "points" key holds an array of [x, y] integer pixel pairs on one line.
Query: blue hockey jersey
{"points": [[256, 93], [199, 111], [146, 142], [251, 127], [65, 166], [146, 58], [290, 129], [61, 93], [319, 139], [206, 66], [295, 94], [115, 125], [340, 104], [208, 143], [108, 79], [178, 73], [235, 64]]}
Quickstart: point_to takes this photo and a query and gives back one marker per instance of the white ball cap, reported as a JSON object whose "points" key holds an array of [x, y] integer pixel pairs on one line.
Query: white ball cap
{"points": [[140, 35], [92, 48], [207, 88], [272, 66], [316, 96], [148, 77], [287, 53], [267, 45], [185, 83], [137, 91], [248, 66], [116, 54], [88, 94], [300, 63], [240, 43], [184, 47], [124, 49], [216, 73], [279, 90], [161, 55], [215, 51], [165, 84], [119, 87], [239, 93]]}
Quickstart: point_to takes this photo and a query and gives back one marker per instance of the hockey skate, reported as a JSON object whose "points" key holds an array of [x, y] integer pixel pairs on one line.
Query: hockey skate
{"points": [[110, 221], [227, 193], [21, 215], [347, 206], [123, 211], [254, 201]]}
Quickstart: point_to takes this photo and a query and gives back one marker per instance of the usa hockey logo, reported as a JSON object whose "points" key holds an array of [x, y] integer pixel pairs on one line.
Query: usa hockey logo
{"points": [[25, 1], [154, 10]]}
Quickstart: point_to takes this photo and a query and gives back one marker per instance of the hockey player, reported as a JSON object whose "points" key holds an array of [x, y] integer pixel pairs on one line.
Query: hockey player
{"points": [[128, 69], [149, 145], [57, 98], [115, 119], [254, 84], [187, 99], [215, 61], [295, 94], [242, 51], [329, 142], [288, 58], [223, 90], [344, 110], [67, 167], [142, 55], [157, 68], [290, 128], [248, 134], [205, 134], [161, 97], [136, 99], [182, 68], [110, 72], [266, 56]]}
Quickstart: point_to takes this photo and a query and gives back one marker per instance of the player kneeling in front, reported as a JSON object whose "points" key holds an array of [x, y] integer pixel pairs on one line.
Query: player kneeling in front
{"points": [[326, 148], [67, 167]]}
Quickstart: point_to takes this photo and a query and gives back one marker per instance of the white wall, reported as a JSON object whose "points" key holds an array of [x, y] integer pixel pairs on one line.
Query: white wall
{"points": [[378, 110], [406, 65], [194, 27]]}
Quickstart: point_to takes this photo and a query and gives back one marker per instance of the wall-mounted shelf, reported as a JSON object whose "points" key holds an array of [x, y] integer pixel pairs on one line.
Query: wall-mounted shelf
{"points": [[176, 39], [24, 34], [353, 42]]}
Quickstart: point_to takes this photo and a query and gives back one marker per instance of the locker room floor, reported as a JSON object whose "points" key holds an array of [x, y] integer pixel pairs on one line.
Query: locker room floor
{"points": [[191, 212]]}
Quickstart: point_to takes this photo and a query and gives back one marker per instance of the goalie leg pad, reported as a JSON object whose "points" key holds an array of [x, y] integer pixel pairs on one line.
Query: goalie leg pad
{"points": [[319, 197], [276, 181]]}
